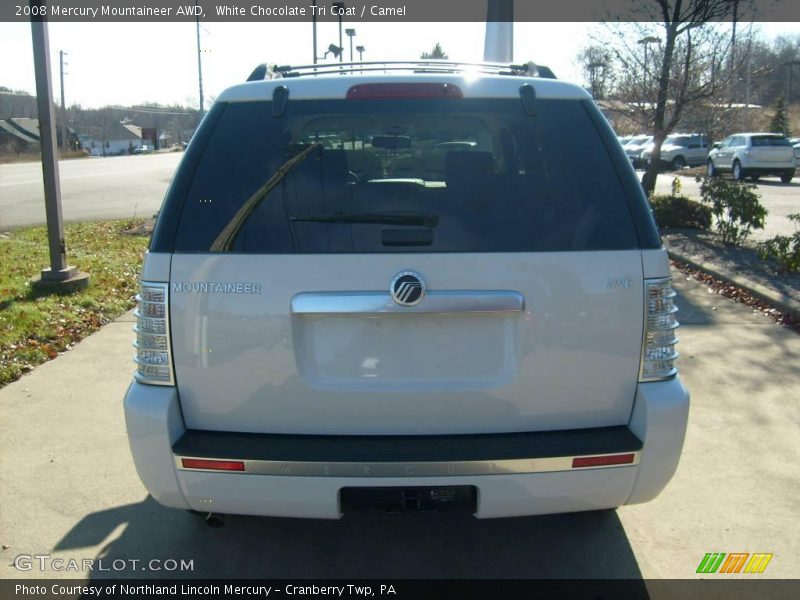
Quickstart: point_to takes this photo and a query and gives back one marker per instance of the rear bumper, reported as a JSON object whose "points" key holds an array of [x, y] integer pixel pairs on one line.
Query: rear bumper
{"points": [[515, 474], [760, 166]]}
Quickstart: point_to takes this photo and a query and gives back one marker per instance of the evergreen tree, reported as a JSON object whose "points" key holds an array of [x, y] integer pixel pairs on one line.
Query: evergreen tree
{"points": [[436, 53], [780, 120]]}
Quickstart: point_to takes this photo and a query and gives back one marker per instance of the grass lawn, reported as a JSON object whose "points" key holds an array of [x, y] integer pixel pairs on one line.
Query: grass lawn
{"points": [[36, 328]]}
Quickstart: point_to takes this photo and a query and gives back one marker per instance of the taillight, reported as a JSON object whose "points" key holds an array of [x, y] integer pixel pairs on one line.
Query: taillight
{"points": [[658, 347], [153, 353]]}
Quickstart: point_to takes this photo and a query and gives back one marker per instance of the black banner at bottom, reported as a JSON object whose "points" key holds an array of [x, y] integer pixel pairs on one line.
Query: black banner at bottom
{"points": [[402, 589]]}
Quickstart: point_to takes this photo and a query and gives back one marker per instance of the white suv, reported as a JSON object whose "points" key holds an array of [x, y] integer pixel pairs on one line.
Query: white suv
{"points": [[392, 289], [680, 150], [753, 155]]}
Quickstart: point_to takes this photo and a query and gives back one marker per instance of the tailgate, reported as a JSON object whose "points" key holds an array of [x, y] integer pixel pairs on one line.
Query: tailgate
{"points": [[315, 344]]}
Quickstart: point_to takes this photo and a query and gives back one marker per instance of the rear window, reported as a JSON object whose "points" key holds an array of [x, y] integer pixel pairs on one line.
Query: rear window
{"points": [[638, 141], [427, 175], [769, 140], [678, 140]]}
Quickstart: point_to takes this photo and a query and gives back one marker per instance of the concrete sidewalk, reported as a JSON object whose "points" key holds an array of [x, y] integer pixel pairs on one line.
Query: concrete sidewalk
{"points": [[68, 487], [63, 447]]}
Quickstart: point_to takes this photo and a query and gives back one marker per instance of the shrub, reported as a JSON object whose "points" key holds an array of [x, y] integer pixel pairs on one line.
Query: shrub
{"points": [[680, 212], [784, 249], [735, 207]]}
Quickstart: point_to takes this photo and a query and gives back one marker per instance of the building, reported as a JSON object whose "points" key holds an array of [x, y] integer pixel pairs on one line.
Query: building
{"points": [[21, 135], [115, 139]]}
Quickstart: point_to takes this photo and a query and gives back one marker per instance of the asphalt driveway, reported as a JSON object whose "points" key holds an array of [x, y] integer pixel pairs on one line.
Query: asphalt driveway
{"points": [[68, 487]]}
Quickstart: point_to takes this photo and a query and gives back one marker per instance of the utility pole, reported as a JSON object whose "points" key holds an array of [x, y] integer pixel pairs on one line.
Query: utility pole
{"points": [[732, 82], [61, 54], [199, 63], [789, 64], [749, 70], [339, 6], [59, 277]]}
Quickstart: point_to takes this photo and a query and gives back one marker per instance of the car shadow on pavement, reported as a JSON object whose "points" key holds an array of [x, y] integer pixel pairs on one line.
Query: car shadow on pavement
{"points": [[590, 545], [777, 183], [753, 362]]}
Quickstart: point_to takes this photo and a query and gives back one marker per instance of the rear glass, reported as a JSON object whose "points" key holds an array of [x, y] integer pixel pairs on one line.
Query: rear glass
{"points": [[769, 140], [638, 141], [432, 175], [678, 140]]}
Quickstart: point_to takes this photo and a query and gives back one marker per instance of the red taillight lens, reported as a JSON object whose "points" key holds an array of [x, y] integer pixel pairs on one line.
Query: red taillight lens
{"points": [[214, 465], [403, 90], [602, 461]]}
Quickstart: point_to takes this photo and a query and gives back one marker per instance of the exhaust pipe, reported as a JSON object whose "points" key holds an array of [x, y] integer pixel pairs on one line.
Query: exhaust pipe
{"points": [[215, 521]]}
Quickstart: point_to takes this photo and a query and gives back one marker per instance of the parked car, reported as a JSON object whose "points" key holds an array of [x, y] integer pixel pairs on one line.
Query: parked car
{"points": [[329, 318], [633, 149], [680, 150], [753, 155], [795, 142]]}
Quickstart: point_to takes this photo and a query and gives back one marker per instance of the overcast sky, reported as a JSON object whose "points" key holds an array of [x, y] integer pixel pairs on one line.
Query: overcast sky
{"points": [[131, 63]]}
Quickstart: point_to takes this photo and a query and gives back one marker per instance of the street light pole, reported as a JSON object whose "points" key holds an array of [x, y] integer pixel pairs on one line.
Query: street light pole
{"points": [[351, 34], [314, 28], [59, 277], [360, 50], [646, 41], [593, 79]]}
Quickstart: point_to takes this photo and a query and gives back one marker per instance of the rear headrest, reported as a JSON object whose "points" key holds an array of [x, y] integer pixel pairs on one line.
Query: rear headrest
{"points": [[335, 165], [463, 167]]}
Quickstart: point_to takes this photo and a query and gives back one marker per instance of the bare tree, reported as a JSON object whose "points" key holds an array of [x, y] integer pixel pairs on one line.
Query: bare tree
{"points": [[597, 65], [679, 55]]}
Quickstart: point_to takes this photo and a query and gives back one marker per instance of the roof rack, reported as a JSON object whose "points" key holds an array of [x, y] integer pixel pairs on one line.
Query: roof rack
{"points": [[529, 69]]}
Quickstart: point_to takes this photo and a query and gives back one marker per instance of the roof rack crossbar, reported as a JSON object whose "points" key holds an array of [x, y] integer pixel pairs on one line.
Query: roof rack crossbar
{"points": [[416, 66], [421, 69]]}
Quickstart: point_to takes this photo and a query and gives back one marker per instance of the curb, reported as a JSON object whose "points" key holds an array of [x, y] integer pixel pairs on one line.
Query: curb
{"points": [[775, 299]]}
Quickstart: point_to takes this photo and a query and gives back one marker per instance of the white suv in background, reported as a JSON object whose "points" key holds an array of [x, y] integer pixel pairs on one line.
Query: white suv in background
{"points": [[753, 155], [680, 150], [391, 289], [633, 148]]}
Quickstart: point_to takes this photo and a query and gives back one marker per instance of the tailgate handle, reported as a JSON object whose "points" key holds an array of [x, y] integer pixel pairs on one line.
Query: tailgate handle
{"points": [[360, 303]]}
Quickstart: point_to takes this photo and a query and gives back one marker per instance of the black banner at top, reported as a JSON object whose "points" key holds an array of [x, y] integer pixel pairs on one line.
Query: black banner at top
{"points": [[354, 11]]}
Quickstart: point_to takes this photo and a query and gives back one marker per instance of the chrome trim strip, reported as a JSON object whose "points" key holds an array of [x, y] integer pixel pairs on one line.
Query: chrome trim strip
{"points": [[407, 469], [450, 301]]}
